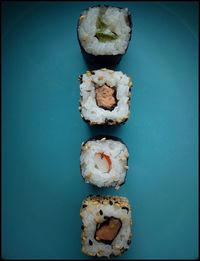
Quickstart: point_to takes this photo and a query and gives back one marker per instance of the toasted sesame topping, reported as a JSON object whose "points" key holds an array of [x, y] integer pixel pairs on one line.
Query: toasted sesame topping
{"points": [[129, 83], [100, 77], [88, 73], [126, 153], [88, 175], [103, 139], [82, 17], [99, 252]]}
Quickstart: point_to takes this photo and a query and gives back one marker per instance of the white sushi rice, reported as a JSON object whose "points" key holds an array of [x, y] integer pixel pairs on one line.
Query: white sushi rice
{"points": [[90, 217], [88, 106], [116, 19], [118, 154]]}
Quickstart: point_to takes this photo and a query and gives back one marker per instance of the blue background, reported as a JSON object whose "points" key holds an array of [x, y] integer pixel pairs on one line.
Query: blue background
{"points": [[42, 130]]}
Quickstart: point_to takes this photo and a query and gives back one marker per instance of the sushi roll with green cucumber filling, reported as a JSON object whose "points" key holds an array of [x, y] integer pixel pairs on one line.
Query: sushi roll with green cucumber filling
{"points": [[106, 226], [104, 33], [105, 97], [104, 161]]}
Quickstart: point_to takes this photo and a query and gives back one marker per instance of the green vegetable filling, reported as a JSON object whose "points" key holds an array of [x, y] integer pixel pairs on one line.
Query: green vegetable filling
{"points": [[103, 33]]}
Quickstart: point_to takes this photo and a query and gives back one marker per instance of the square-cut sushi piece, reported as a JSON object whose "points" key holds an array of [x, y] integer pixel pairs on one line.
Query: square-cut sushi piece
{"points": [[105, 97], [106, 225], [104, 161], [104, 33]]}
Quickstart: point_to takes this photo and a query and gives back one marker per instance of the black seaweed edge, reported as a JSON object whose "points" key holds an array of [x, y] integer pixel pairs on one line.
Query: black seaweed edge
{"points": [[105, 60], [108, 137]]}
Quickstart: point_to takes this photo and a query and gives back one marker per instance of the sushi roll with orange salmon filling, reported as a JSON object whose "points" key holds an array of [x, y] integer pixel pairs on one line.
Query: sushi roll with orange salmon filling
{"points": [[104, 161], [106, 226], [105, 97], [104, 33]]}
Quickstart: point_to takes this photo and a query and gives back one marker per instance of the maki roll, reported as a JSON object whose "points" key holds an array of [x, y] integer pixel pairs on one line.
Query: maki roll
{"points": [[104, 161], [104, 33], [105, 97], [106, 228]]}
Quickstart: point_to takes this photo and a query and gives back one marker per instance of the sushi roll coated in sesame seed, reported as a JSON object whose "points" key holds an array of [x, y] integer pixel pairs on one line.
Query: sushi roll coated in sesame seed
{"points": [[104, 33], [104, 161], [105, 97], [106, 225]]}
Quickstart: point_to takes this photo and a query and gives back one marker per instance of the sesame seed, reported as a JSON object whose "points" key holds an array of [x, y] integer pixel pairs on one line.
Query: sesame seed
{"points": [[127, 209], [90, 242], [129, 83], [82, 17], [88, 73]]}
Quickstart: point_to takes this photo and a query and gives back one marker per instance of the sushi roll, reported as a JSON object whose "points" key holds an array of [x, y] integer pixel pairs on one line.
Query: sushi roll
{"points": [[105, 97], [106, 225], [104, 161], [104, 33]]}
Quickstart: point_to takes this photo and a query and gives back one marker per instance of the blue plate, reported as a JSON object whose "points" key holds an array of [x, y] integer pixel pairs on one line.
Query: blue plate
{"points": [[42, 130]]}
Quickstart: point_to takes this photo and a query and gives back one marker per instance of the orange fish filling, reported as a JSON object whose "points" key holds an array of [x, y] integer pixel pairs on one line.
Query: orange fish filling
{"points": [[106, 97], [103, 162], [108, 230]]}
